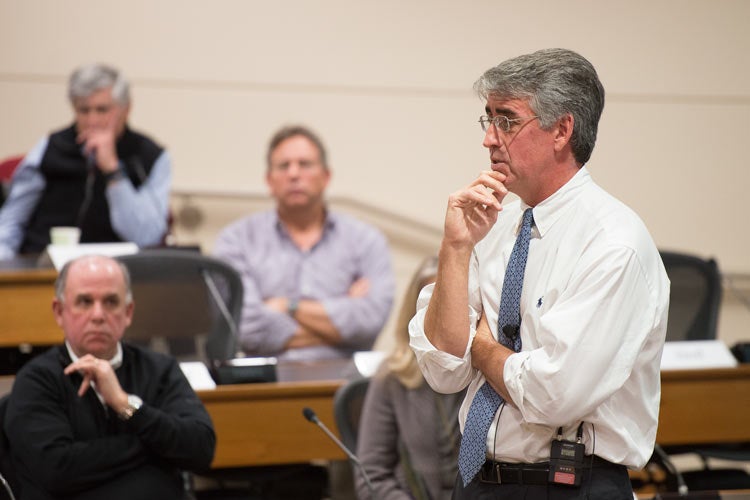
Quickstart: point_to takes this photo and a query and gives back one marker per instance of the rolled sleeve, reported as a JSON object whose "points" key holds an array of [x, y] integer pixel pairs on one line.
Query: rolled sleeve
{"points": [[443, 371]]}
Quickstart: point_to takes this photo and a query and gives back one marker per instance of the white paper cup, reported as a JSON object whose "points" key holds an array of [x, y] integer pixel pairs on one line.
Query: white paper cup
{"points": [[63, 235]]}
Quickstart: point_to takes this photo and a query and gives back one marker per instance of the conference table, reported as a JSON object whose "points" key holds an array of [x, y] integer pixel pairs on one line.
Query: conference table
{"points": [[262, 424], [700, 495], [26, 293]]}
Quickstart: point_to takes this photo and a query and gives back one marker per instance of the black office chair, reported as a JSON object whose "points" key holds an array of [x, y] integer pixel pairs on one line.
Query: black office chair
{"points": [[187, 304], [694, 304], [347, 408], [695, 296]]}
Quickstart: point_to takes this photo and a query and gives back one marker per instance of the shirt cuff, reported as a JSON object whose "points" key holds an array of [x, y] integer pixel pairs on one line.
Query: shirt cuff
{"points": [[116, 174], [512, 374]]}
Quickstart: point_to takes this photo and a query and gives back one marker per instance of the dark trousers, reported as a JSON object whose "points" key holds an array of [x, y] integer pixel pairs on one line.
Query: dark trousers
{"points": [[605, 481]]}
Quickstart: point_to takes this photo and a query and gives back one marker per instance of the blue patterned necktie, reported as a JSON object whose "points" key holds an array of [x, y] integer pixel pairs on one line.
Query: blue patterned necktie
{"points": [[471, 455]]}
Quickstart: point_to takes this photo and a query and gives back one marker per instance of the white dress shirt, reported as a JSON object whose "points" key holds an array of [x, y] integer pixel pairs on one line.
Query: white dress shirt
{"points": [[116, 363], [593, 322]]}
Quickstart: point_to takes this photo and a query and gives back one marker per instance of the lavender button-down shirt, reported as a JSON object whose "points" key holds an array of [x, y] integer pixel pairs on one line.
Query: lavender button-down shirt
{"points": [[271, 265]]}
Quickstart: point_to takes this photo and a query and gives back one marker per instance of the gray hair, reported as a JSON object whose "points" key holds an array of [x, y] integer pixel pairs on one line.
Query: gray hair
{"points": [[91, 78], [62, 278], [555, 82], [293, 131]]}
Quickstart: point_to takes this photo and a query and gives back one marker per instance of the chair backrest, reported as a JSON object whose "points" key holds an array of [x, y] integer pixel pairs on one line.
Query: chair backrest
{"points": [[8, 166], [186, 304], [695, 296], [347, 408]]}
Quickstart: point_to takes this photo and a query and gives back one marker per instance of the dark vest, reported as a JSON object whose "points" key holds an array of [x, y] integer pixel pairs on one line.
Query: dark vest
{"points": [[66, 173]]}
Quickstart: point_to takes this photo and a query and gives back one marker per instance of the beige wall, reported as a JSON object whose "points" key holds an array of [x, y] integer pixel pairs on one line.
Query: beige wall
{"points": [[388, 86]]}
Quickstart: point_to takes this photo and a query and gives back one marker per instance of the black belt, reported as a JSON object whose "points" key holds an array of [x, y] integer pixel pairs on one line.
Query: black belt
{"points": [[507, 473], [502, 473]]}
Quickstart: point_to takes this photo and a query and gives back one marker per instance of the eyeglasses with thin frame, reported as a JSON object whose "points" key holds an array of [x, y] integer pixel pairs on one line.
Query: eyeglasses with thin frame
{"points": [[502, 122]]}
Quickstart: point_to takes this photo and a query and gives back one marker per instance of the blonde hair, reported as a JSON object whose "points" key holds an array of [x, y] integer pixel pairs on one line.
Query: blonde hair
{"points": [[401, 361]]}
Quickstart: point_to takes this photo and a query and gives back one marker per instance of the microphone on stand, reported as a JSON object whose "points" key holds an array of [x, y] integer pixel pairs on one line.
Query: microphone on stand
{"points": [[511, 331], [682, 488], [312, 417], [89, 190], [224, 310]]}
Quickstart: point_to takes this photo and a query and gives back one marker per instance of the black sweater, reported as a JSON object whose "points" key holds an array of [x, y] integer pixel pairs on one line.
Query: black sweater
{"points": [[71, 447]]}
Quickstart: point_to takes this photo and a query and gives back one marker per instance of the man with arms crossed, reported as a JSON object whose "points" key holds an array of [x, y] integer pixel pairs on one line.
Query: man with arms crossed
{"points": [[568, 352], [318, 284], [96, 418]]}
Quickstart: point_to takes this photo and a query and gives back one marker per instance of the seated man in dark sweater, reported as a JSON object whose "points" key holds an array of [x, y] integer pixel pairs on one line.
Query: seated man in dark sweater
{"points": [[96, 418], [97, 174]]}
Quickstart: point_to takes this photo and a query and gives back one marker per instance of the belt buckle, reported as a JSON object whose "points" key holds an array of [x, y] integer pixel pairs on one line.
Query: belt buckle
{"points": [[486, 473]]}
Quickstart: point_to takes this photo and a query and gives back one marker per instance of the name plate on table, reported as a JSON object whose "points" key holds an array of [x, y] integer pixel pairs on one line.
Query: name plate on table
{"points": [[696, 354], [198, 375]]}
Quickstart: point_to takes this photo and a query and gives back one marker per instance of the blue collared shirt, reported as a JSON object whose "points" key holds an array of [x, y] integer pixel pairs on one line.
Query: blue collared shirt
{"points": [[137, 214], [271, 265]]}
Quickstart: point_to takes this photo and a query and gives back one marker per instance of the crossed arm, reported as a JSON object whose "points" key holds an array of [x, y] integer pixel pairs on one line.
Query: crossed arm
{"points": [[470, 215]]}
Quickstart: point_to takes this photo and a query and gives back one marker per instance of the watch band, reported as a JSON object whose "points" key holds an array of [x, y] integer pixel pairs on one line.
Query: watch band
{"points": [[134, 404], [117, 174], [291, 309]]}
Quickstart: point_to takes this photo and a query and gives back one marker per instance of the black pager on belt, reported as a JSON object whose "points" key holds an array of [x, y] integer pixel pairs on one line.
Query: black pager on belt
{"points": [[566, 459]]}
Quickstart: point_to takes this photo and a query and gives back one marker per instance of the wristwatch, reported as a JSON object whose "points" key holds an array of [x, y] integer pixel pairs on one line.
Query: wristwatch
{"points": [[134, 404], [116, 174], [291, 309]]}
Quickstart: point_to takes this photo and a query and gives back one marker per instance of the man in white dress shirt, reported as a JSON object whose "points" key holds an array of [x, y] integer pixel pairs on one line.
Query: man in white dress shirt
{"points": [[593, 305]]}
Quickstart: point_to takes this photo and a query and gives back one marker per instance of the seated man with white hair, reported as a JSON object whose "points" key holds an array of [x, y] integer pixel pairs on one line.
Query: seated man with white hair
{"points": [[96, 174]]}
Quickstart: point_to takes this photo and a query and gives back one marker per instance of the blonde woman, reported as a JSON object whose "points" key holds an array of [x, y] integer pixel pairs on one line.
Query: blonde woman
{"points": [[409, 437]]}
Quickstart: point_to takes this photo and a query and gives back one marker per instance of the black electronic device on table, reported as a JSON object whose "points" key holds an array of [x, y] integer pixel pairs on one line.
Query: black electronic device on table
{"points": [[245, 371]]}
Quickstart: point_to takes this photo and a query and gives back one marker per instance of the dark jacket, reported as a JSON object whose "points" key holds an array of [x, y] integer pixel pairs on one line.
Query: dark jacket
{"points": [[68, 200]]}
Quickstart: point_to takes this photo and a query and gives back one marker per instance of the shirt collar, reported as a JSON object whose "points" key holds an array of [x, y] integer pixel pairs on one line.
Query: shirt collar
{"points": [[329, 222], [550, 210], [116, 360]]}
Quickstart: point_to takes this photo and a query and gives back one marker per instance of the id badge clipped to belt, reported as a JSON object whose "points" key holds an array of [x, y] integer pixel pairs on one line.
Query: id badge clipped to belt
{"points": [[566, 459]]}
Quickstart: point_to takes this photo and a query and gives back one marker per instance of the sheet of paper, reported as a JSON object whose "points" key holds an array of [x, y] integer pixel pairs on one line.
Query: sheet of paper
{"points": [[367, 362], [198, 375], [696, 354], [60, 254]]}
